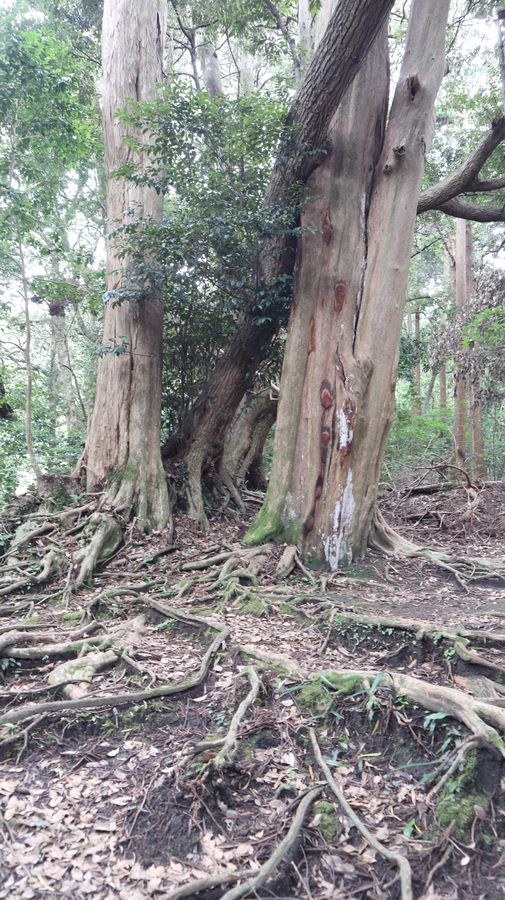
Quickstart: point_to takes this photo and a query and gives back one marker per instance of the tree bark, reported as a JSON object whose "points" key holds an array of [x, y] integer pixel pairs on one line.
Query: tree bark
{"points": [[123, 440], [338, 380], [243, 452], [336, 61]]}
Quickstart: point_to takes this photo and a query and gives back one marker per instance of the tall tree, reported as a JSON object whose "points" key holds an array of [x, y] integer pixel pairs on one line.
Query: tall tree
{"points": [[335, 63], [337, 388], [123, 440]]}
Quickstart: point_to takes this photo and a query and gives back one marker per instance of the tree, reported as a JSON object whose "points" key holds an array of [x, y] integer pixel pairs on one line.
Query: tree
{"points": [[335, 63], [339, 372], [123, 439]]}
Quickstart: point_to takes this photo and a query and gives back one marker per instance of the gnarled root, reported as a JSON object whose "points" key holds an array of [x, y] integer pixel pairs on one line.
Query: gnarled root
{"points": [[386, 540], [107, 536]]}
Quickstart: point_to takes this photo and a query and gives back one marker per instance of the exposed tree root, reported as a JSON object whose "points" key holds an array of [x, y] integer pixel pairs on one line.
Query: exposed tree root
{"points": [[386, 540], [199, 885], [396, 858], [458, 638], [230, 743], [76, 675], [23, 713], [107, 536], [481, 719], [50, 565], [280, 852]]}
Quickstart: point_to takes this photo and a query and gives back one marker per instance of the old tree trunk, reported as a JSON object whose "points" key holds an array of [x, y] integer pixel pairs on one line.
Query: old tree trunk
{"points": [[344, 45], [338, 380], [123, 440]]}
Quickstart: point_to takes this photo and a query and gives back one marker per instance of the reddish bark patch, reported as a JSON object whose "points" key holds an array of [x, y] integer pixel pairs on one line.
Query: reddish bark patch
{"points": [[319, 487], [312, 336], [340, 295], [326, 394], [327, 227], [325, 435]]}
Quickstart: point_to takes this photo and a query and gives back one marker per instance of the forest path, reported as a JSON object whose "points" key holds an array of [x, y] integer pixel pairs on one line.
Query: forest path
{"points": [[120, 801]]}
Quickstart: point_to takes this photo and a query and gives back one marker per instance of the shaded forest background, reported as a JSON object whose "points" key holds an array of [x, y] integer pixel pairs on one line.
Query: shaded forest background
{"points": [[230, 76]]}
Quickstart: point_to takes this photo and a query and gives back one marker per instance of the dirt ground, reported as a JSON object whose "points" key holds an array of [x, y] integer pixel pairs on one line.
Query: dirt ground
{"points": [[121, 801]]}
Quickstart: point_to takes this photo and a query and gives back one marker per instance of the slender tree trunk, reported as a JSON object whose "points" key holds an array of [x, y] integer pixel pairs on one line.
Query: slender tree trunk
{"points": [[416, 406], [123, 441], [442, 386], [60, 373], [429, 392], [339, 373], [32, 457], [462, 249], [335, 63], [210, 69], [478, 463]]}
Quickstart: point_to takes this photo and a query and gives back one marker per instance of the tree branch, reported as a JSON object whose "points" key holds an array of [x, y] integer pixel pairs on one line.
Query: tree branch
{"points": [[281, 25], [461, 180], [464, 209]]}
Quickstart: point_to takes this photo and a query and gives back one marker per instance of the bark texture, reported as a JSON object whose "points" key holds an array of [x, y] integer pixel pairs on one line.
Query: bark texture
{"points": [[123, 441], [243, 453], [345, 43], [338, 380]]}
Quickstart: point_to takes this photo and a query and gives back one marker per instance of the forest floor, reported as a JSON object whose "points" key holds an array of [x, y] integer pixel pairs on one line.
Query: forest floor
{"points": [[218, 776]]}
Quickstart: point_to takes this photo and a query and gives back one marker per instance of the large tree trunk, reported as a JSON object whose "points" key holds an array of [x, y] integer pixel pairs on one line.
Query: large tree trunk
{"points": [[339, 373], [335, 63], [123, 441]]}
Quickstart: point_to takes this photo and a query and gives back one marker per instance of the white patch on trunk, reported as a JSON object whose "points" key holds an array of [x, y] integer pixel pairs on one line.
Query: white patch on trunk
{"points": [[334, 546], [345, 432]]}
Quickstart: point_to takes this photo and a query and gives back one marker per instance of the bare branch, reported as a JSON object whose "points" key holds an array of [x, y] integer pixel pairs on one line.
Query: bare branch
{"points": [[464, 209], [462, 178]]}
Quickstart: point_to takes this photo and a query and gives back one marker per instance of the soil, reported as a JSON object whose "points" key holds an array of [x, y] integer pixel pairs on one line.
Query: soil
{"points": [[121, 802]]}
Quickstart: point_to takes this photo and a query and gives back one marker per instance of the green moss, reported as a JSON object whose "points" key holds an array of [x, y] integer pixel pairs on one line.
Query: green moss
{"points": [[329, 824], [266, 526], [287, 610], [344, 684], [72, 617], [460, 796], [261, 739], [254, 606], [314, 697]]}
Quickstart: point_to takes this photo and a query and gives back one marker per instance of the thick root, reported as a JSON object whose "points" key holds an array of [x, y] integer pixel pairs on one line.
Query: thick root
{"points": [[106, 538], [76, 675]]}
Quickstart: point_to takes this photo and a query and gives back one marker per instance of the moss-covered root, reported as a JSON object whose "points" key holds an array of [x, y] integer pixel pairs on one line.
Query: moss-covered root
{"points": [[107, 535], [76, 675], [266, 526], [484, 720], [467, 794]]}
